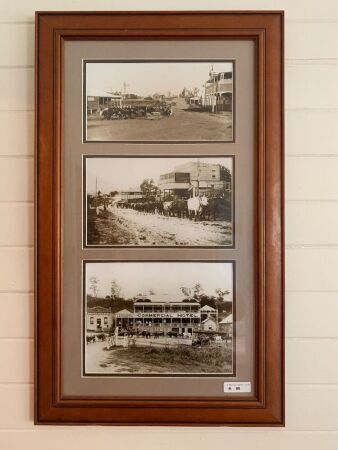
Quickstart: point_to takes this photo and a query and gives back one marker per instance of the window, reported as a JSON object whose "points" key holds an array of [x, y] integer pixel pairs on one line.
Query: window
{"points": [[105, 320], [91, 320]]}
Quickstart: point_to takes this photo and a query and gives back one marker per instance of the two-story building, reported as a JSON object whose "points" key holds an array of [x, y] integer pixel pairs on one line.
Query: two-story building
{"points": [[167, 314], [193, 179], [218, 91], [161, 313]]}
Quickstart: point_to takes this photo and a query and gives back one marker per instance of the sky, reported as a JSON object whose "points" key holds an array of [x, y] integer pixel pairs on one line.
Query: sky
{"points": [[162, 277], [147, 78], [115, 174]]}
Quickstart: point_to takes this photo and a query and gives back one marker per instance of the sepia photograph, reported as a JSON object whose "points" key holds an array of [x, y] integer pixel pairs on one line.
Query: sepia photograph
{"points": [[158, 100], [158, 201], [174, 318]]}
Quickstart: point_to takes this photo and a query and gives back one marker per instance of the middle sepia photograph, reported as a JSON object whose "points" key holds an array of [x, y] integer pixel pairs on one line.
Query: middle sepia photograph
{"points": [[152, 201]]}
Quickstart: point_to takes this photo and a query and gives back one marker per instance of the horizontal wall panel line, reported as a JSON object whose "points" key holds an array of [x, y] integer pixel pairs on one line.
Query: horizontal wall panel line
{"points": [[312, 108], [287, 21], [311, 200], [288, 61], [4, 156], [119, 429], [295, 291], [16, 22], [21, 383], [310, 62], [16, 110], [314, 247], [16, 246], [307, 109], [316, 291], [3, 291], [15, 339], [10, 66], [308, 338], [310, 246], [302, 246], [24, 202], [312, 155], [288, 338], [302, 21]]}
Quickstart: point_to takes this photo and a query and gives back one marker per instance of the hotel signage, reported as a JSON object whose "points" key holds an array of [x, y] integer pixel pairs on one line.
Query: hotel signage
{"points": [[171, 315]]}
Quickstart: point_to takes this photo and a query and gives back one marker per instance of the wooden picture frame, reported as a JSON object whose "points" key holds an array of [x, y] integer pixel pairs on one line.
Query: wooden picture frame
{"points": [[265, 30]]}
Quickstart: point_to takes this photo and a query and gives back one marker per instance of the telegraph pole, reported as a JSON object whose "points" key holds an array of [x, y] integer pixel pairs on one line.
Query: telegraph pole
{"points": [[198, 178]]}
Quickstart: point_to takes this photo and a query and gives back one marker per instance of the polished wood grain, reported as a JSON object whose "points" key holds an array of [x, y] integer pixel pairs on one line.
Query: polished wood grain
{"points": [[266, 30]]}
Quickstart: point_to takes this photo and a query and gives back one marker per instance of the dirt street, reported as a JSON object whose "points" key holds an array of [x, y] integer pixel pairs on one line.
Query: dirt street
{"points": [[184, 124], [130, 227], [147, 360]]}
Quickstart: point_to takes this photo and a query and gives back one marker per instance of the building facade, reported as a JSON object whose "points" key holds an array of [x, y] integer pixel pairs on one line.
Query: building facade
{"points": [[218, 92], [193, 179], [208, 312], [131, 194], [96, 103], [162, 314], [225, 325], [209, 324], [99, 319]]}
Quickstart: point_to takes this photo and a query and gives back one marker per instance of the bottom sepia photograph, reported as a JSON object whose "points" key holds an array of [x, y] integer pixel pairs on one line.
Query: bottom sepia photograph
{"points": [[158, 318]]}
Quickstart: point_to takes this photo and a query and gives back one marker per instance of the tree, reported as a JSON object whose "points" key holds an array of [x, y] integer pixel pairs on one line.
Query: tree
{"points": [[186, 291], [148, 188], [221, 293], [132, 96], [197, 290], [115, 290], [225, 174], [151, 292], [93, 286]]}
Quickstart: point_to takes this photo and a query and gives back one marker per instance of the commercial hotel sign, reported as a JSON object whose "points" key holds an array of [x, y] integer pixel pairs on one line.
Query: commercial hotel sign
{"points": [[169, 315]]}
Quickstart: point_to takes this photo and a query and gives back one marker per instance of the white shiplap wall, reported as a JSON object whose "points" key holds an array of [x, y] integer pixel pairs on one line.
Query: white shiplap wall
{"points": [[311, 225]]}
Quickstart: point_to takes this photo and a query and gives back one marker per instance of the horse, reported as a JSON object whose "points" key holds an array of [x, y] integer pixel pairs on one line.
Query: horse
{"points": [[197, 206], [158, 207], [179, 208], [167, 208], [90, 339], [217, 207]]}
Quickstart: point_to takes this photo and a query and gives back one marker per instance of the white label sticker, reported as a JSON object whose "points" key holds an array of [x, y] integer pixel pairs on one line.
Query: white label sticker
{"points": [[237, 386]]}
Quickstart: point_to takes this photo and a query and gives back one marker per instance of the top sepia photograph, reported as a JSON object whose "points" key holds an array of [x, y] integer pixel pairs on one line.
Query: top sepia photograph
{"points": [[158, 100]]}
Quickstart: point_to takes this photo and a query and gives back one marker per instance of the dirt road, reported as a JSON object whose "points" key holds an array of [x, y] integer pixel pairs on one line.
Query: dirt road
{"points": [[149, 360], [130, 227], [184, 124]]}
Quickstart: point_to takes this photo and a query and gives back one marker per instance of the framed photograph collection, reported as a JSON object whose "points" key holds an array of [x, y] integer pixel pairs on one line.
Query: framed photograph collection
{"points": [[159, 218]]}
